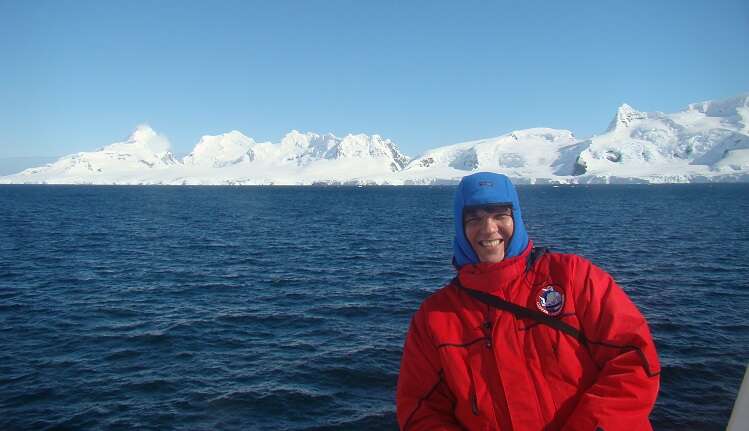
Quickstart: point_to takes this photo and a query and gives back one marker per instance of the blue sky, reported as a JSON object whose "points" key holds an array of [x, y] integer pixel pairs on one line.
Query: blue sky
{"points": [[77, 75]]}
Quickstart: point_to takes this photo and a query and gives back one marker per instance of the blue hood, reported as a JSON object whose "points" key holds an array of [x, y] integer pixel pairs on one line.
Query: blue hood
{"points": [[485, 188]]}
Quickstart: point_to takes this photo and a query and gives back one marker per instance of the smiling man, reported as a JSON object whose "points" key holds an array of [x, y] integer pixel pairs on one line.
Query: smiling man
{"points": [[522, 338]]}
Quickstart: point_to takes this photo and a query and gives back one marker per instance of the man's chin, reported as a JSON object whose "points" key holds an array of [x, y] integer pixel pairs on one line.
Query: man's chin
{"points": [[493, 258]]}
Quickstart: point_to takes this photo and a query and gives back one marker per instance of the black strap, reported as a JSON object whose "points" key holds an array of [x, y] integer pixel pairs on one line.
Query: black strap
{"points": [[534, 255], [523, 312], [543, 319], [527, 313]]}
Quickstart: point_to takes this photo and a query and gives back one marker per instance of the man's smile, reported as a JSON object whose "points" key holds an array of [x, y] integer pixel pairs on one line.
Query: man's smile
{"points": [[490, 243]]}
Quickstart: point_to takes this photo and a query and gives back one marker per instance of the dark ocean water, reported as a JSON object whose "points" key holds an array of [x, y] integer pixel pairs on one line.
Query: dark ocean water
{"points": [[286, 307]]}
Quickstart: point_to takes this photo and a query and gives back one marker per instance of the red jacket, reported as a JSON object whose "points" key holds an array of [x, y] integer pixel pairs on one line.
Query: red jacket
{"points": [[467, 365]]}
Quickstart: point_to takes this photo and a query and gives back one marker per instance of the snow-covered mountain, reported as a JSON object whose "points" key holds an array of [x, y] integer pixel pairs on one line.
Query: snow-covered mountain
{"points": [[708, 141], [300, 158], [144, 153], [220, 151], [524, 154], [303, 149], [229, 158]]}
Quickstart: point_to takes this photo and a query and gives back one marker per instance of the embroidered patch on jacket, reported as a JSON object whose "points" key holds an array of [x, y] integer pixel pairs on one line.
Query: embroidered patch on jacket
{"points": [[550, 301]]}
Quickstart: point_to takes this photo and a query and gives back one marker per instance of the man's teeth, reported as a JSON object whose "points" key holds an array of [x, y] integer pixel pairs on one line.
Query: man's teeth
{"points": [[490, 243]]}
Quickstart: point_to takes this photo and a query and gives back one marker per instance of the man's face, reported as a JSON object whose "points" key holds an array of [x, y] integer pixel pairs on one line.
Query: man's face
{"points": [[489, 231]]}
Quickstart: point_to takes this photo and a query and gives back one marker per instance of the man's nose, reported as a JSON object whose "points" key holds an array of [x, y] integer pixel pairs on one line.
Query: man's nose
{"points": [[489, 225]]}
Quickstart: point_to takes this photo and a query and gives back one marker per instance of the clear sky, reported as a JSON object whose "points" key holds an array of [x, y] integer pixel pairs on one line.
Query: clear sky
{"points": [[77, 75]]}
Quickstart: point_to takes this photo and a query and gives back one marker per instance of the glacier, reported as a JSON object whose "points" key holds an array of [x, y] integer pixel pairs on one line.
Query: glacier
{"points": [[706, 142]]}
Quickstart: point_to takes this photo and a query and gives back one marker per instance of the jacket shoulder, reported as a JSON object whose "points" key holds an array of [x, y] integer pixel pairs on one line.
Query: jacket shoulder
{"points": [[570, 270], [567, 258], [567, 262], [440, 299]]}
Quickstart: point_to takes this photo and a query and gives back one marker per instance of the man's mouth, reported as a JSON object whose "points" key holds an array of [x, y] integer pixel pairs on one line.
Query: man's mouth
{"points": [[490, 243]]}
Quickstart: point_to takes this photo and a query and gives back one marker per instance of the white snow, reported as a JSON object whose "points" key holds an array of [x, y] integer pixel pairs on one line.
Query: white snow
{"points": [[658, 147], [529, 154], [118, 163], [220, 151], [707, 141]]}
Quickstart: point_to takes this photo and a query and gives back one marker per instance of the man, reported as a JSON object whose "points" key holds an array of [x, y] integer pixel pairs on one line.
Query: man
{"points": [[523, 339]]}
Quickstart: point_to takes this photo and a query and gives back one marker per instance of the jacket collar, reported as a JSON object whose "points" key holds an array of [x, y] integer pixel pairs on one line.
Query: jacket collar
{"points": [[494, 277]]}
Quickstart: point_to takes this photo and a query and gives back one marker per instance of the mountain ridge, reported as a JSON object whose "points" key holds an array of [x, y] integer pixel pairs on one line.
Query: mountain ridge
{"points": [[707, 141]]}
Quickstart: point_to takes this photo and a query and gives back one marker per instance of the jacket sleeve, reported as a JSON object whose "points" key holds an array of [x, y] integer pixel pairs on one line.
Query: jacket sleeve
{"points": [[619, 341], [423, 399]]}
